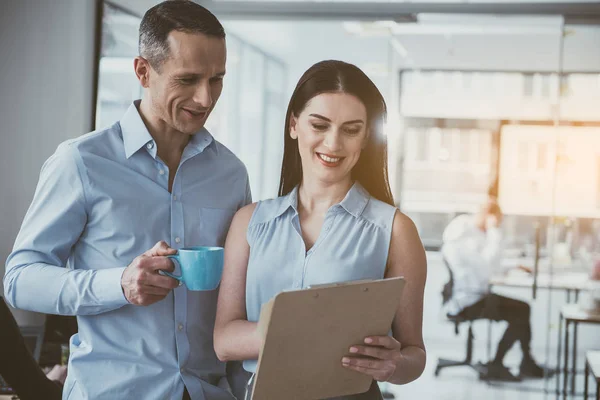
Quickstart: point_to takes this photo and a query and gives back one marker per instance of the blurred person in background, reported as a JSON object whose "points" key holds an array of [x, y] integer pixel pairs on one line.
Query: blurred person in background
{"points": [[473, 249]]}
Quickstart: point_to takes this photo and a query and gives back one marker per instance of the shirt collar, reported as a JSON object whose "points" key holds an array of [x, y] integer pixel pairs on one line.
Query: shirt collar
{"points": [[134, 131], [199, 141], [136, 135], [287, 201], [356, 200], [354, 203]]}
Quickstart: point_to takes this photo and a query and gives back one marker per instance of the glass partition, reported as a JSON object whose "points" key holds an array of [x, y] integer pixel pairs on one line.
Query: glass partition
{"points": [[477, 94]]}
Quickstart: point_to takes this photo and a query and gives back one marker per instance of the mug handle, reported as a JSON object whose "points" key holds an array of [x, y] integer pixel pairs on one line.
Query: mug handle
{"points": [[178, 277]]}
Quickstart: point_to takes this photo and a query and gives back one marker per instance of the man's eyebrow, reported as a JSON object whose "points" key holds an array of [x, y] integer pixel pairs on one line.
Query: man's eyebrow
{"points": [[198, 75], [188, 75]]}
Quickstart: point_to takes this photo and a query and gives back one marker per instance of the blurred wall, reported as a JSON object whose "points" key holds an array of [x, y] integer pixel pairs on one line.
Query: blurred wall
{"points": [[46, 87]]}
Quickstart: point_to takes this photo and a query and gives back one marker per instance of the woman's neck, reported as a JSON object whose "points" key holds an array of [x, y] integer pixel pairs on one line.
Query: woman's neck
{"points": [[315, 195]]}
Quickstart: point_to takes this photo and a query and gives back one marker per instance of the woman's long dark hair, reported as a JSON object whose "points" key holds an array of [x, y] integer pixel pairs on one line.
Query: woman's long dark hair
{"points": [[339, 77]]}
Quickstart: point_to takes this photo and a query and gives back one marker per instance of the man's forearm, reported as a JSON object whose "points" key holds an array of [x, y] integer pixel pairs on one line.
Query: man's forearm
{"points": [[410, 367], [51, 289]]}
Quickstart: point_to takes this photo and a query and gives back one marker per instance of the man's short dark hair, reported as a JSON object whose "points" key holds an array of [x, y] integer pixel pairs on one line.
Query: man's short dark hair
{"points": [[173, 15]]}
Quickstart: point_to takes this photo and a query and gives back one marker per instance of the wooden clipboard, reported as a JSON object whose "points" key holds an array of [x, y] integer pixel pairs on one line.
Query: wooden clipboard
{"points": [[307, 332]]}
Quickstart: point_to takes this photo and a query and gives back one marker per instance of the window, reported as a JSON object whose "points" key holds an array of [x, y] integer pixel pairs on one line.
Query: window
{"points": [[528, 85], [523, 159], [251, 114], [464, 151], [117, 83], [253, 132], [445, 152], [422, 139], [598, 182], [542, 156], [545, 92]]}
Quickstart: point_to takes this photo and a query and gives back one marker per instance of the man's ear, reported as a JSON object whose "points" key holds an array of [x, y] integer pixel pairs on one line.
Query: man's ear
{"points": [[142, 68], [293, 124]]}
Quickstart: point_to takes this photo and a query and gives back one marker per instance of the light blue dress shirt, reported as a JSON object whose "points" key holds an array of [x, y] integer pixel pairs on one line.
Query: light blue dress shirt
{"points": [[102, 200], [353, 244]]}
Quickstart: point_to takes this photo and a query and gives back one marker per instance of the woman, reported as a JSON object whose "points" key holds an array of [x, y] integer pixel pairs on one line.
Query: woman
{"points": [[334, 221]]}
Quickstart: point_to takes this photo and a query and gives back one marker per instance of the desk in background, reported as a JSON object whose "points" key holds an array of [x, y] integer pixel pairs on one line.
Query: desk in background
{"points": [[592, 364], [561, 280], [572, 315], [569, 281]]}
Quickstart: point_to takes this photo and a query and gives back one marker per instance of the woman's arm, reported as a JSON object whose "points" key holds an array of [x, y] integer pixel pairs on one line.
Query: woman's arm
{"points": [[234, 337], [399, 359]]}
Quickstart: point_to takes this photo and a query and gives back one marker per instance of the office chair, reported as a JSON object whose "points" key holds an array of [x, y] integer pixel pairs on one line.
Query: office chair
{"points": [[457, 320]]}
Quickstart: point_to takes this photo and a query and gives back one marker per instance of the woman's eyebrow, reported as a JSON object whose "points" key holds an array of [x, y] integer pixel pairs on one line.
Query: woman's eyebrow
{"points": [[354, 121]]}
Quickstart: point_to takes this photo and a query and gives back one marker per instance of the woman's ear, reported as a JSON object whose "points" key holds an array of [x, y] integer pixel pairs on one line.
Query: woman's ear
{"points": [[293, 124]]}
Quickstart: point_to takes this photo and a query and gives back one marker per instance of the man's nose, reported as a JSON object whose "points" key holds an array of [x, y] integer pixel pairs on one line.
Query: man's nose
{"points": [[203, 95]]}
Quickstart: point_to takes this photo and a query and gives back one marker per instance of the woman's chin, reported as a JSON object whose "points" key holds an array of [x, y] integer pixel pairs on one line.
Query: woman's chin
{"points": [[331, 177]]}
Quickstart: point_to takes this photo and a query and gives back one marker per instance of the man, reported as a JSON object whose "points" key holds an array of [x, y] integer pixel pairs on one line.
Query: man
{"points": [[473, 250], [107, 197]]}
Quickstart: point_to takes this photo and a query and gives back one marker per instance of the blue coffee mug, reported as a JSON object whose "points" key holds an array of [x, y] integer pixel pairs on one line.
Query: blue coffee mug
{"points": [[201, 267]]}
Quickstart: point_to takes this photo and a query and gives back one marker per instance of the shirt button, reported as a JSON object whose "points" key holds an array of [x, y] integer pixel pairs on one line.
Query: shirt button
{"points": [[181, 370], [174, 197], [180, 327], [177, 240], [150, 145], [162, 171]]}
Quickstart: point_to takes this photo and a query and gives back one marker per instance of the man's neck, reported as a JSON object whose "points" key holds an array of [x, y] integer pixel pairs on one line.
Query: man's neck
{"points": [[170, 143]]}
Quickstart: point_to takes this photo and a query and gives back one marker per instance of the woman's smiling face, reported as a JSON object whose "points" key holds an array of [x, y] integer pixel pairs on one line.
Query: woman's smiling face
{"points": [[331, 133]]}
